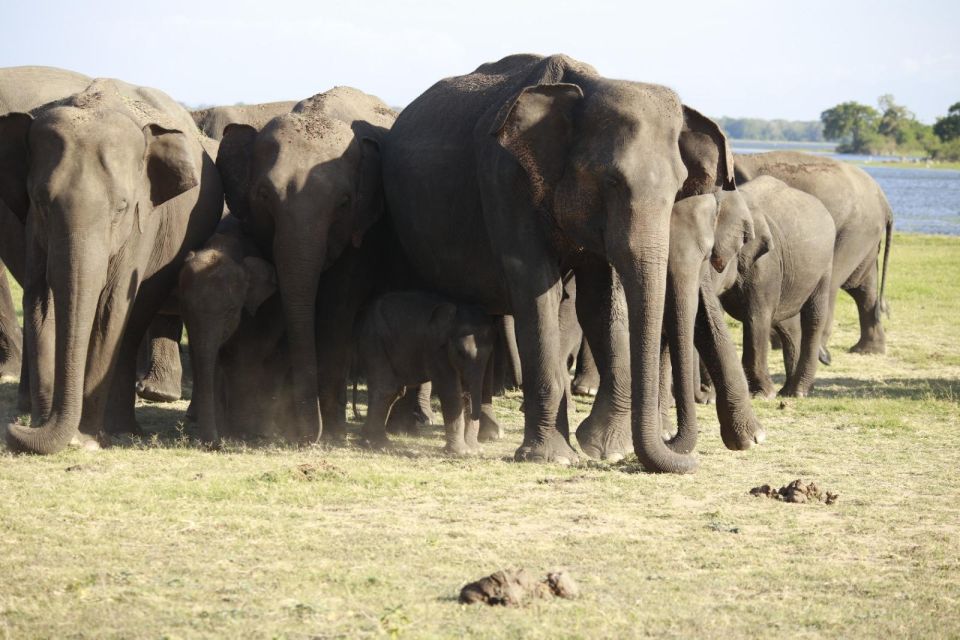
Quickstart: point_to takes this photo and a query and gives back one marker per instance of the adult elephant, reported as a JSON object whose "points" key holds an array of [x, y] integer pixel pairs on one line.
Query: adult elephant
{"points": [[118, 190], [213, 120], [502, 179], [863, 219], [306, 186]]}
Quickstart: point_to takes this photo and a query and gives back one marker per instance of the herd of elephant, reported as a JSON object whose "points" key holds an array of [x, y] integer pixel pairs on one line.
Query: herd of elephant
{"points": [[507, 223]]}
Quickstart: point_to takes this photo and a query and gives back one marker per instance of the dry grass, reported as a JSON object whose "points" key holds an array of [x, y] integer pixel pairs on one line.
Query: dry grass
{"points": [[159, 539]]}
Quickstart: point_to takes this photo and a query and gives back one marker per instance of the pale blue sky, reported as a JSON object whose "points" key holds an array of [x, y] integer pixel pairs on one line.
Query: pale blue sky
{"points": [[764, 59]]}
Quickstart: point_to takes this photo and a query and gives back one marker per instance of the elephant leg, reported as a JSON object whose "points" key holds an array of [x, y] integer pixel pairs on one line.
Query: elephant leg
{"points": [[39, 330], [601, 306], [11, 337], [587, 378], [512, 352], [407, 415], [812, 315], [756, 348], [162, 380], [704, 391], [789, 333], [825, 356], [739, 426], [381, 396], [23, 388], [450, 391], [490, 428], [866, 294], [668, 430]]}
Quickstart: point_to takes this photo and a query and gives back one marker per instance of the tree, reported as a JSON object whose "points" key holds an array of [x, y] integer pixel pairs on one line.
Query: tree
{"points": [[948, 128], [852, 123]]}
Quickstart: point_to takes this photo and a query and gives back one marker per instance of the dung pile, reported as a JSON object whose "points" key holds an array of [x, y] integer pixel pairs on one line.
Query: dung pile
{"points": [[514, 587], [797, 491]]}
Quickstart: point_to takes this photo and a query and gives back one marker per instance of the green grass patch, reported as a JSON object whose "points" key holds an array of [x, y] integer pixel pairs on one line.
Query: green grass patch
{"points": [[160, 539]]}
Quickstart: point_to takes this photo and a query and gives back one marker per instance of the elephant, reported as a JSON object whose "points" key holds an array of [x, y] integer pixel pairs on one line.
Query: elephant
{"points": [[782, 284], [118, 188], [863, 219], [213, 120], [307, 185], [407, 338], [501, 180], [706, 231], [586, 379], [159, 369], [11, 337], [241, 365]]}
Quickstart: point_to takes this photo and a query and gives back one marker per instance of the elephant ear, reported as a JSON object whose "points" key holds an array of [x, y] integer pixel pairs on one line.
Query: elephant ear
{"points": [[369, 200], [707, 155], [261, 282], [233, 162], [537, 129], [169, 165], [762, 242], [14, 162]]}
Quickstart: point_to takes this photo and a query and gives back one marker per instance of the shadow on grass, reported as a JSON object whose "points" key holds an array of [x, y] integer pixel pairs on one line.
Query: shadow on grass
{"points": [[919, 389]]}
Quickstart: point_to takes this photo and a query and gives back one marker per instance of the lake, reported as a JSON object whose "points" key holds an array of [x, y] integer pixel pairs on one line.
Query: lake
{"points": [[923, 200]]}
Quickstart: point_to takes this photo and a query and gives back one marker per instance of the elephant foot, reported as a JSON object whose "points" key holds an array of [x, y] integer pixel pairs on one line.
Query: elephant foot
{"points": [[9, 376], [375, 441], [792, 391], [584, 387], [334, 433], [86, 442], [490, 429], [191, 414], [552, 448], [605, 437], [706, 394], [824, 356], [742, 432], [163, 389], [404, 423], [869, 347], [763, 392]]}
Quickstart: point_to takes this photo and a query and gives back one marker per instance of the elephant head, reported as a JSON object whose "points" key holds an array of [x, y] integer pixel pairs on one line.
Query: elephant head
{"points": [[605, 164], [306, 186], [216, 290], [91, 174]]}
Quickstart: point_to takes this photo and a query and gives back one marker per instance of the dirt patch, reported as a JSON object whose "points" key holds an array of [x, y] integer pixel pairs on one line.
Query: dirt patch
{"points": [[797, 491], [515, 587], [570, 480]]}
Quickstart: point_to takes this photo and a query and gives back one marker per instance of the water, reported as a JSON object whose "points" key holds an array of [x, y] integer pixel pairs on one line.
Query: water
{"points": [[923, 200]]}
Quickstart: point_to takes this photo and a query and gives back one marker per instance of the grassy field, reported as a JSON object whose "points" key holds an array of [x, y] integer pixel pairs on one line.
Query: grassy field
{"points": [[161, 540]]}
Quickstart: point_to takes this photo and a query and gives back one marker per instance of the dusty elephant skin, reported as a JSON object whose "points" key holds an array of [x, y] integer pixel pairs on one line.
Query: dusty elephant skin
{"points": [[516, 587], [102, 246], [408, 338], [329, 147], [241, 365], [863, 220], [213, 120], [503, 179]]}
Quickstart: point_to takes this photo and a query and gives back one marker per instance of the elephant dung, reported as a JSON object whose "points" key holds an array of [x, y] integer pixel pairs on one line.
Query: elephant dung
{"points": [[514, 587], [797, 491]]}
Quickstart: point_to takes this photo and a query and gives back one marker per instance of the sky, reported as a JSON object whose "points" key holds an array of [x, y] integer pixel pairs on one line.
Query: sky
{"points": [[741, 58]]}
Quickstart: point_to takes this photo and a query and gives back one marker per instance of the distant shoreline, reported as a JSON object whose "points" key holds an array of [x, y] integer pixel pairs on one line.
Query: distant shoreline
{"points": [[829, 148]]}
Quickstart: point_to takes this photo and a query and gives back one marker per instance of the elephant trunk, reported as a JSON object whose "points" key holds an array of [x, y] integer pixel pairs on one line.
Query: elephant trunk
{"points": [[299, 264], [513, 352], [641, 261], [76, 275], [204, 351], [680, 317]]}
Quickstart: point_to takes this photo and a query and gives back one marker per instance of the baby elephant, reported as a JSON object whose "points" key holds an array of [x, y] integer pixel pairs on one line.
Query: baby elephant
{"points": [[233, 316], [787, 288], [408, 338]]}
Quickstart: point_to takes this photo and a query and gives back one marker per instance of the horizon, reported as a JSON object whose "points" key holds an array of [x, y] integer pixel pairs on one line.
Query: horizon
{"points": [[204, 55]]}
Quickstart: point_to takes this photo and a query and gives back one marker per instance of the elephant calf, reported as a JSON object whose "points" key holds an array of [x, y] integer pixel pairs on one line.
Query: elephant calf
{"points": [[233, 315], [408, 338], [785, 286]]}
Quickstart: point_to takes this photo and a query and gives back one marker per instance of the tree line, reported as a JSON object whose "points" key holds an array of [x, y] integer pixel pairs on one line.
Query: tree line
{"points": [[776, 130], [892, 129]]}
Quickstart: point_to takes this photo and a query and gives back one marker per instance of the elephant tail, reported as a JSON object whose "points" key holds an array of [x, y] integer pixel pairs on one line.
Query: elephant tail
{"points": [[882, 306]]}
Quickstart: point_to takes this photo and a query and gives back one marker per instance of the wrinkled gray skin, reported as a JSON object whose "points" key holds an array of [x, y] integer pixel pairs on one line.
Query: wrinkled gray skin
{"points": [[497, 180], [238, 349], [11, 337], [407, 338], [782, 286], [863, 220], [159, 370], [214, 120], [306, 186], [115, 188]]}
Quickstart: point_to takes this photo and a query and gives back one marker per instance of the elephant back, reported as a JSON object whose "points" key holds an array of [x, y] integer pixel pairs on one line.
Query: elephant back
{"points": [[23, 89]]}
